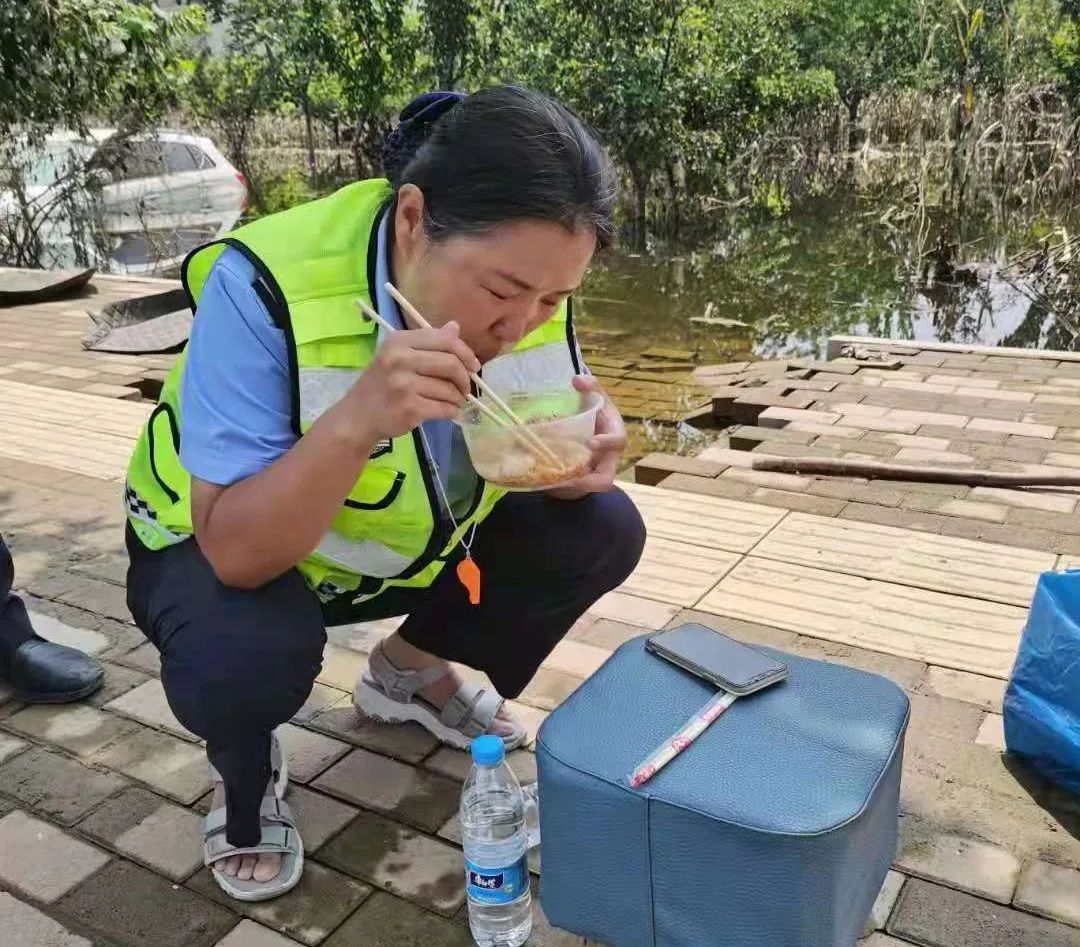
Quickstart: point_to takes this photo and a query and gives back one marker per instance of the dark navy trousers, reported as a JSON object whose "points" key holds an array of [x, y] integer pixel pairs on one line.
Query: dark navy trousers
{"points": [[237, 663]]}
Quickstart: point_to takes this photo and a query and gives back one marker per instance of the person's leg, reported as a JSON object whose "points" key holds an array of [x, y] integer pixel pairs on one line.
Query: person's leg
{"points": [[39, 671], [543, 563], [235, 664], [15, 626]]}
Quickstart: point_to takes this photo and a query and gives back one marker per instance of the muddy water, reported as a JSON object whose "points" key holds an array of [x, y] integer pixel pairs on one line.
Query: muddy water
{"points": [[832, 266]]}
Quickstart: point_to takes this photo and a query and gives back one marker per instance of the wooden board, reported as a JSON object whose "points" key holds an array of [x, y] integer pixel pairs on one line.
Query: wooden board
{"points": [[677, 572], [81, 433], [908, 557], [696, 520], [946, 630], [669, 355]]}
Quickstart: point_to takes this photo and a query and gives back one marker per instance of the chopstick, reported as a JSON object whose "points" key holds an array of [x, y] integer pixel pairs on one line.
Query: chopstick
{"points": [[411, 311], [483, 408]]}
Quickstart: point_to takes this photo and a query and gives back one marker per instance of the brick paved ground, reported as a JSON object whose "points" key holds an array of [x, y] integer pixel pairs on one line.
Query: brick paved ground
{"points": [[100, 801]]}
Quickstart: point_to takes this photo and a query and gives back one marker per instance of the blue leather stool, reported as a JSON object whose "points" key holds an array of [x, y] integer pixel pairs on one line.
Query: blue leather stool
{"points": [[775, 829]]}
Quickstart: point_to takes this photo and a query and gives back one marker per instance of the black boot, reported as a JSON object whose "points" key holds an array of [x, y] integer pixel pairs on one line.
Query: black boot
{"points": [[41, 672]]}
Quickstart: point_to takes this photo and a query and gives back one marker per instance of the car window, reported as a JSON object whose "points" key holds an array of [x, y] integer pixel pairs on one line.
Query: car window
{"points": [[55, 161], [178, 157], [138, 159], [202, 159]]}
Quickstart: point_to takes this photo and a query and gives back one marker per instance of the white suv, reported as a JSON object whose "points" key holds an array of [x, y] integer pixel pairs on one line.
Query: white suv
{"points": [[162, 194]]}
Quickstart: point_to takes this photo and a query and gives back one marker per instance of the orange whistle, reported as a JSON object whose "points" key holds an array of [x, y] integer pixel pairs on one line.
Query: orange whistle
{"points": [[468, 573]]}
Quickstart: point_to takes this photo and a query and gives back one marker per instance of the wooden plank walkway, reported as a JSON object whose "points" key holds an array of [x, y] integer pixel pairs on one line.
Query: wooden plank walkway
{"points": [[41, 344], [950, 631], [678, 572], [703, 521], [908, 557], [80, 433]]}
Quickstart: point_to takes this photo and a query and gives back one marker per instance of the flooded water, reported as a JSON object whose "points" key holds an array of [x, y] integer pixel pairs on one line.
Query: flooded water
{"points": [[832, 266]]}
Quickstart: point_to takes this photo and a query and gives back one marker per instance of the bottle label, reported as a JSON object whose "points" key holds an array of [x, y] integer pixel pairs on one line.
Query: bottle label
{"points": [[496, 885]]}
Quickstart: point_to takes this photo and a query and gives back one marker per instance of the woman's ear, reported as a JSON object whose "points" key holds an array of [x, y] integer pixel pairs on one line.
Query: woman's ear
{"points": [[409, 233]]}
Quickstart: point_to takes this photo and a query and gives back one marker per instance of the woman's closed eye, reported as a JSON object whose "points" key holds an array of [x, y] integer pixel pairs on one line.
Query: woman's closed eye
{"points": [[500, 296]]}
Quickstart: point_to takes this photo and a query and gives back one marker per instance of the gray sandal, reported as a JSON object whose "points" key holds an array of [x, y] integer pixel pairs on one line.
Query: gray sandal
{"points": [[279, 836], [279, 768], [390, 694]]}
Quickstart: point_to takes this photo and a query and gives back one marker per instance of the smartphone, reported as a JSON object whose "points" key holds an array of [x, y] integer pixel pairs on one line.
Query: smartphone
{"points": [[718, 659]]}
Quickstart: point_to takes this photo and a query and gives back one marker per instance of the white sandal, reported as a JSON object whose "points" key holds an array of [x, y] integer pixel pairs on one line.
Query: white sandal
{"points": [[392, 695], [279, 836]]}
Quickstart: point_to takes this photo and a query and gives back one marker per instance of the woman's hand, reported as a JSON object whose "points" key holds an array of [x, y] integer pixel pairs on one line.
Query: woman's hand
{"points": [[417, 375], [607, 446]]}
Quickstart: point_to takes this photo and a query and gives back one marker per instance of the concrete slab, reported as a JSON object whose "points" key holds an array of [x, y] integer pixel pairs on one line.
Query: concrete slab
{"points": [[128, 905], [1050, 891], [384, 785], [940, 917], [41, 861], [401, 861], [55, 785], [26, 926], [315, 907], [149, 830]]}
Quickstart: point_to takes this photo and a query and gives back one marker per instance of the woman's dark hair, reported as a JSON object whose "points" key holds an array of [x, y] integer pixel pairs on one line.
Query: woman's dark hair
{"points": [[501, 154]]}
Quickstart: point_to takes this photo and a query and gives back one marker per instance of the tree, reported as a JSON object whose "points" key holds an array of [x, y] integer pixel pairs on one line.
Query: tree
{"points": [[300, 41], [665, 81], [1066, 49], [326, 56], [231, 91], [64, 61], [450, 31], [464, 39], [376, 66], [620, 64], [1037, 22], [67, 63], [868, 45]]}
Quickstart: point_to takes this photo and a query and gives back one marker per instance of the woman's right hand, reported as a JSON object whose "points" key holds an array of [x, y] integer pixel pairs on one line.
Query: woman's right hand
{"points": [[417, 375]]}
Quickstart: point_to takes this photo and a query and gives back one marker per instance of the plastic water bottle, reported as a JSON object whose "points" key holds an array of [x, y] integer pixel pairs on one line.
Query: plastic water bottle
{"points": [[496, 847]]}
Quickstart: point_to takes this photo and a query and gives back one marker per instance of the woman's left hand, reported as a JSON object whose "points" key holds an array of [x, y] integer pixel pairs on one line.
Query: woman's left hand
{"points": [[607, 446]]}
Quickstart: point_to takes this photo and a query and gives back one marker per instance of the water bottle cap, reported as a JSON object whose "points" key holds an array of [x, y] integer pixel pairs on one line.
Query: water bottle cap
{"points": [[488, 750]]}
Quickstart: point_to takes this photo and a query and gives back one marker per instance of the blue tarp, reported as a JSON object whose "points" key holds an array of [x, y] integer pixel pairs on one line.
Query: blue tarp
{"points": [[1042, 702]]}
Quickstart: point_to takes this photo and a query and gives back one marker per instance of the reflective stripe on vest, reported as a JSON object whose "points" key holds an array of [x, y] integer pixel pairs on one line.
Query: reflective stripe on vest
{"points": [[366, 557]]}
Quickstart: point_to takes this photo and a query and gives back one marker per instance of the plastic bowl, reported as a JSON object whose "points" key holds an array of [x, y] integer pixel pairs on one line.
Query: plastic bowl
{"points": [[565, 420]]}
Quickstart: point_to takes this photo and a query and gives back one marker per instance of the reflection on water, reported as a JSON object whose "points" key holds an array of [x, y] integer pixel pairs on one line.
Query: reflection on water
{"points": [[834, 266]]}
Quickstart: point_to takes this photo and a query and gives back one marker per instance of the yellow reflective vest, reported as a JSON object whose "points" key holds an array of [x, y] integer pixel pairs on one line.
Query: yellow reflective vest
{"points": [[311, 263]]}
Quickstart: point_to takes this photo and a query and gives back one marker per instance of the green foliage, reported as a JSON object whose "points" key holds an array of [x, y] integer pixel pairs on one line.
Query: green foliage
{"points": [[772, 196], [686, 93], [63, 62], [298, 38], [1066, 56], [376, 55], [286, 191], [464, 40], [666, 82], [1036, 24], [324, 58], [231, 91], [867, 45]]}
